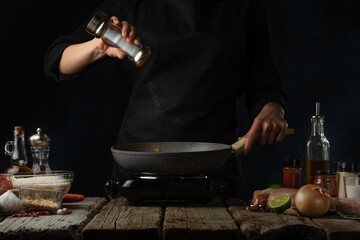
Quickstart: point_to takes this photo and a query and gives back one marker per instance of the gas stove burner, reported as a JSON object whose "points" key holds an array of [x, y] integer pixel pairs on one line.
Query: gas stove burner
{"points": [[167, 177], [168, 188]]}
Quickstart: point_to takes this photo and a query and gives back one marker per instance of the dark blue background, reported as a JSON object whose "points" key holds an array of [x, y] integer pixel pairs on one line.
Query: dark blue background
{"points": [[316, 49]]}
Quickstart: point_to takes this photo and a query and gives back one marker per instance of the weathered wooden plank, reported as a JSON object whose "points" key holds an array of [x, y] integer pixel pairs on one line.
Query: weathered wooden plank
{"points": [[205, 221], [260, 225], [52, 226], [338, 228], [2, 218], [301, 228], [121, 220]]}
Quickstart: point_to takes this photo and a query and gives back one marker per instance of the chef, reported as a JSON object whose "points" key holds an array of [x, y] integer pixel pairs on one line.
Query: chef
{"points": [[205, 54]]}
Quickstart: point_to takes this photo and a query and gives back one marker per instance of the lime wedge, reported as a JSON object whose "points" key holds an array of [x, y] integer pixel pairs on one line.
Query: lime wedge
{"points": [[275, 186], [280, 203]]}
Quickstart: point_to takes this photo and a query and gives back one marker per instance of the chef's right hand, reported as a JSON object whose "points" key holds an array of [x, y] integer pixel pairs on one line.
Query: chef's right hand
{"points": [[77, 57], [128, 31]]}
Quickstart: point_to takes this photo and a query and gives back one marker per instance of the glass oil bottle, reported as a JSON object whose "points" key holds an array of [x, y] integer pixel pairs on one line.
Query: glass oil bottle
{"points": [[317, 147], [17, 152]]}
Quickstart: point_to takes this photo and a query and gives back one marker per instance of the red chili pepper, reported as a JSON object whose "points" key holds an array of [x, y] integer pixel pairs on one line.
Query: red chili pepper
{"points": [[25, 214], [44, 213], [71, 197], [32, 213], [30, 210]]}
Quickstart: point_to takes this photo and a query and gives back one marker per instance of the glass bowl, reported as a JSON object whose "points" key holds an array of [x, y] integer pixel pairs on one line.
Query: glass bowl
{"points": [[41, 198], [53, 179], [347, 207]]}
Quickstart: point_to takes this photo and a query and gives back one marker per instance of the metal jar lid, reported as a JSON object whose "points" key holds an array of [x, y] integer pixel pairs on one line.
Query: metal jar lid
{"points": [[292, 162], [97, 24], [324, 172], [142, 56], [39, 139]]}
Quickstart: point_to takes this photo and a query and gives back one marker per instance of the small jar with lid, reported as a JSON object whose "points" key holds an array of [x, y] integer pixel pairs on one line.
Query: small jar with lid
{"points": [[291, 173], [40, 151], [345, 169], [327, 179]]}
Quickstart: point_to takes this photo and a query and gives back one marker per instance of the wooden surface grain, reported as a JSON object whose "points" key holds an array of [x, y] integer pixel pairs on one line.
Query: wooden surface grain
{"points": [[337, 228], [120, 220], [259, 225], [205, 221], [52, 226]]}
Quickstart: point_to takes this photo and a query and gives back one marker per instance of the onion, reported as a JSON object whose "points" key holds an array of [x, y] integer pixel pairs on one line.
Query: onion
{"points": [[312, 200]]}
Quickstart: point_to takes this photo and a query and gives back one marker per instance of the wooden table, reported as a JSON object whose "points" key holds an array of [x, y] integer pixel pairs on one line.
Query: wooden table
{"points": [[52, 226], [97, 219]]}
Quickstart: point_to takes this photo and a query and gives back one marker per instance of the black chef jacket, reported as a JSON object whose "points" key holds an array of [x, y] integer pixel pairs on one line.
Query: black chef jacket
{"points": [[205, 53]]}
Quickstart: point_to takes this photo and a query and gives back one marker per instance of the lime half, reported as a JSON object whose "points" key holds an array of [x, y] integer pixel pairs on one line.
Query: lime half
{"points": [[280, 203], [275, 186]]}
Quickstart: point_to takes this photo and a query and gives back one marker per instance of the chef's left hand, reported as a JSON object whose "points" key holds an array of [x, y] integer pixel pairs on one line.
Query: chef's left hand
{"points": [[268, 127]]}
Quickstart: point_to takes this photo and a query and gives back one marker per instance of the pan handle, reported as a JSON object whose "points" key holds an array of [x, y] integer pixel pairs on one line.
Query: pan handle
{"points": [[238, 147]]}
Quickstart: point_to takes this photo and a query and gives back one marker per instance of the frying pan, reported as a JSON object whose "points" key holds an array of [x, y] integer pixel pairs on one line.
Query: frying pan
{"points": [[176, 158]]}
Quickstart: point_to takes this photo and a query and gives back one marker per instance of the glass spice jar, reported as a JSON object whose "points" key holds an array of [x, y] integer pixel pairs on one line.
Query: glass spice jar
{"points": [[345, 169], [327, 179], [291, 173], [101, 27]]}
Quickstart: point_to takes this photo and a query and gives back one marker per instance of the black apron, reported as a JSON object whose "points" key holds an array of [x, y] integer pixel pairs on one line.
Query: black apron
{"points": [[187, 91]]}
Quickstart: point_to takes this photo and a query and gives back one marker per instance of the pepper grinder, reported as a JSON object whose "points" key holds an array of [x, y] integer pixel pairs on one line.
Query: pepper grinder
{"points": [[40, 151], [101, 27]]}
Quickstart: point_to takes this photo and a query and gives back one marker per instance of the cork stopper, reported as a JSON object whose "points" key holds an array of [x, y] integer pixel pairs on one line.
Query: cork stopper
{"points": [[18, 130]]}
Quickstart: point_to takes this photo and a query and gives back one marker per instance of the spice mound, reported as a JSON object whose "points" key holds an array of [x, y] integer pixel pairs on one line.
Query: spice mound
{"points": [[39, 203]]}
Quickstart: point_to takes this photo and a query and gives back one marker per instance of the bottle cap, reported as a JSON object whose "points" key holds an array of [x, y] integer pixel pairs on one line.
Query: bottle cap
{"points": [[39, 139], [325, 172], [142, 56], [342, 166], [354, 167], [317, 118], [97, 23], [292, 162]]}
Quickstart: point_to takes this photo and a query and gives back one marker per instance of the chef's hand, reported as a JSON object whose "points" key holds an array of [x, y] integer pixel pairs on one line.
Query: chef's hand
{"points": [[128, 32], [77, 57], [268, 127]]}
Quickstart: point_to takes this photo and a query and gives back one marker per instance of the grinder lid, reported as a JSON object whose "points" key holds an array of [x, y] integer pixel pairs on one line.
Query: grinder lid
{"points": [[97, 23], [39, 139]]}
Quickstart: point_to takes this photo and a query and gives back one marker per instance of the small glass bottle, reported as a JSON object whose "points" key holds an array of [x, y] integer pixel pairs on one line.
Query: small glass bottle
{"points": [[18, 157], [40, 151], [344, 169], [101, 27], [317, 147], [327, 179], [291, 173]]}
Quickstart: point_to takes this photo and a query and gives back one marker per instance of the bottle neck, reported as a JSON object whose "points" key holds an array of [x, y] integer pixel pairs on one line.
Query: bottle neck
{"points": [[18, 156], [317, 126]]}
